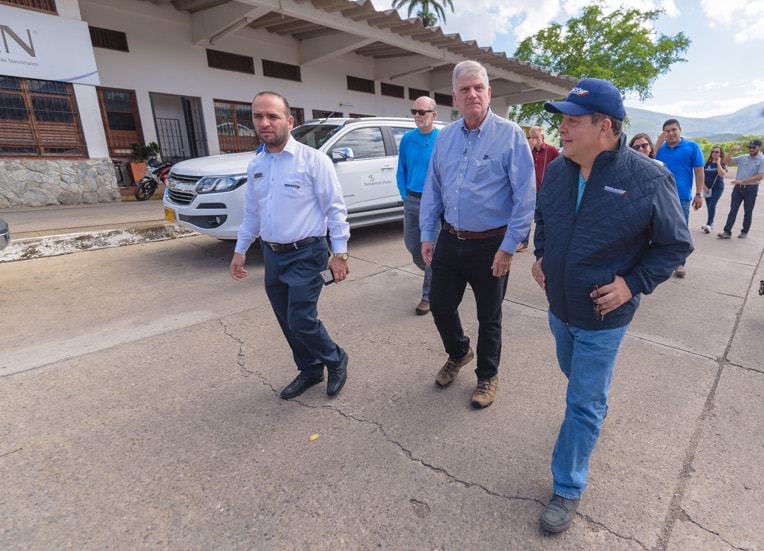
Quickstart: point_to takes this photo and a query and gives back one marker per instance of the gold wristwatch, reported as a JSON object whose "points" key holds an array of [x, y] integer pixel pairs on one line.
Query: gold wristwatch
{"points": [[342, 256]]}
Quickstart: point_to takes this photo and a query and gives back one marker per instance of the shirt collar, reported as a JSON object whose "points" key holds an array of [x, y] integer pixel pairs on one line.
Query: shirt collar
{"points": [[290, 147], [483, 125]]}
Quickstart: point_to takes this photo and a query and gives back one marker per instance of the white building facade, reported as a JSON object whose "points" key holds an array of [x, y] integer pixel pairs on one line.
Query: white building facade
{"points": [[81, 81]]}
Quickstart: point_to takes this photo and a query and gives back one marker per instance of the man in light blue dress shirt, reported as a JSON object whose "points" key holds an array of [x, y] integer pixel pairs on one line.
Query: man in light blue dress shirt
{"points": [[292, 196], [481, 181]]}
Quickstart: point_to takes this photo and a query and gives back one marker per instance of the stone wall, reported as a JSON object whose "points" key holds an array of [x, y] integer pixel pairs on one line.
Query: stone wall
{"points": [[43, 182]]}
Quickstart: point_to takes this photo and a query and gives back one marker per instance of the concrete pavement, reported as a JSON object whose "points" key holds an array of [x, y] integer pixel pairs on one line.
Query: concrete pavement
{"points": [[50, 231], [179, 441]]}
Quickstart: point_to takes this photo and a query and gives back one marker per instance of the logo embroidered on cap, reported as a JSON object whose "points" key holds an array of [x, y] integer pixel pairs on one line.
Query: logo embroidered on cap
{"points": [[579, 91]]}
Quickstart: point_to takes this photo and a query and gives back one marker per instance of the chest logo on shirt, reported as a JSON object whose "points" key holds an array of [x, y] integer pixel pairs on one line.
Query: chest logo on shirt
{"points": [[615, 190], [295, 186]]}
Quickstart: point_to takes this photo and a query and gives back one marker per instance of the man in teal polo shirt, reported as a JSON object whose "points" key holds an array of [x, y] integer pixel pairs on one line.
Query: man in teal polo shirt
{"points": [[685, 161]]}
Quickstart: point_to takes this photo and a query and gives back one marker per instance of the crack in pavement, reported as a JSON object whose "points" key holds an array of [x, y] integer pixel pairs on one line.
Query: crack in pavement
{"points": [[684, 516], [240, 361], [675, 511]]}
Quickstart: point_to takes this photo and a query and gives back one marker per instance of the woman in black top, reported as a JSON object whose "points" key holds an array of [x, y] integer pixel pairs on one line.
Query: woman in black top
{"points": [[713, 188]]}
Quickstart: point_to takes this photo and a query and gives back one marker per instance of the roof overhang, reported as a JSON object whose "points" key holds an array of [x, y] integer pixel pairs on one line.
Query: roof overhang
{"points": [[327, 29]]}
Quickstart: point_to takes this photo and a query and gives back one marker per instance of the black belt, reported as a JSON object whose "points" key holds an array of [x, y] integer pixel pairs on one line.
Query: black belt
{"points": [[288, 247], [463, 234], [746, 185], [416, 194]]}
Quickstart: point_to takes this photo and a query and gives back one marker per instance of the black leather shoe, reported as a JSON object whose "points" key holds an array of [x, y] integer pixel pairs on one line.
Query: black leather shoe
{"points": [[299, 385], [337, 377]]}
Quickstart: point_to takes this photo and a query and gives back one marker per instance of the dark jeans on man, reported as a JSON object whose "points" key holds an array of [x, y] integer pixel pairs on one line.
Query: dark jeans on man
{"points": [[293, 284], [455, 264], [747, 196]]}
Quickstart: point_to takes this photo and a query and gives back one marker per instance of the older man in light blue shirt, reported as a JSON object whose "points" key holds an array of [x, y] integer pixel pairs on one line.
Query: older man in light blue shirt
{"points": [[481, 180]]}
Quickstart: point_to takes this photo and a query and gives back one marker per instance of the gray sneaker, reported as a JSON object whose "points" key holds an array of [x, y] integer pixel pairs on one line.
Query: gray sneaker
{"points": [[723, 235], [450, 370], [742, 235], [558, 515]]}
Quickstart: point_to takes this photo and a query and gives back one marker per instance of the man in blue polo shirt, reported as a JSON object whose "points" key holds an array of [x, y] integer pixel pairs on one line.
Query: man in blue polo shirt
{"points": [[414, 154], [685, 160]]}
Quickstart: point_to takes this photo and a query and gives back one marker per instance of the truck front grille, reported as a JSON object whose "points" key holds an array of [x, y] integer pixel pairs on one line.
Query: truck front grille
{"points": [[178, 196], [181, 197]]}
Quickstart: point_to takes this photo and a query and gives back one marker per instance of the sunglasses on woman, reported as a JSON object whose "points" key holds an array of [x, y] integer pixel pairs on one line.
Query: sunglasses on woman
{"points": [[641, 145]]}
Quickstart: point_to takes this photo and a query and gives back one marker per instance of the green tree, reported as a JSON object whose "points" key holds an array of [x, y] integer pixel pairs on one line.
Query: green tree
{"points": [[428, 19], [619, 47], [706, 145], [428, 10]]}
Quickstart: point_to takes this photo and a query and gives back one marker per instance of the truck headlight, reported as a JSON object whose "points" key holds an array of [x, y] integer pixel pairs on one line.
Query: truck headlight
{"points": [[211, 184]]}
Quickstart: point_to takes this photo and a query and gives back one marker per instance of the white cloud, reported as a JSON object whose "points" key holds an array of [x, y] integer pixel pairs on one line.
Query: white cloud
{"points": [[740, 20], [713, 86], [669, 6], [718, 98], [484, 20]]}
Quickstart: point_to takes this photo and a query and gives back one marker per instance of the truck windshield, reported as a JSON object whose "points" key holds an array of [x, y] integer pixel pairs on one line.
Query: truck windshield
{"points": [[314, 135]]}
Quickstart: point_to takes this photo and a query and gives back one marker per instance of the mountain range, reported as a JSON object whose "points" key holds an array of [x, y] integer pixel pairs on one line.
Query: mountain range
{"points": [[720, 128]]}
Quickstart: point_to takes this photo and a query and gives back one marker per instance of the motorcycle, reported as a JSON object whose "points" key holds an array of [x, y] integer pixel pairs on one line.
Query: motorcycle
{"points": [[156, 173]]}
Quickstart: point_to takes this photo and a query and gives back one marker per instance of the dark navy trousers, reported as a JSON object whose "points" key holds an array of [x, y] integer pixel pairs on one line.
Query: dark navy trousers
{"points": [[293, 284], [747, 197]]}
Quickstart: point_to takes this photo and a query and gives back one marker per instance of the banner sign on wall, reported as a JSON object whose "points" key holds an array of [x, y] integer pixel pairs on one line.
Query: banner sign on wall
{"points": [[46, 47]]}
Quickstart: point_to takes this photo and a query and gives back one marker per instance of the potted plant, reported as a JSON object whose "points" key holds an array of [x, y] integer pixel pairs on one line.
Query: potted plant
{"points": [[141, 155]]}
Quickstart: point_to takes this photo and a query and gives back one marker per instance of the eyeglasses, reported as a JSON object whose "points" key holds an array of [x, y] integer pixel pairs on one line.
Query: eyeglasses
{"points": [[716, 151], [421, 112], [641, 145], [752, 146], [598, 313]]}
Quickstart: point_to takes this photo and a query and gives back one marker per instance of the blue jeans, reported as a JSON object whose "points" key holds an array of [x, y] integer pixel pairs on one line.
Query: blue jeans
{"points": [[456, 263], [716, 193], [586, 359], [293, 284], [746, 196], [686, 204], [412, 240]]}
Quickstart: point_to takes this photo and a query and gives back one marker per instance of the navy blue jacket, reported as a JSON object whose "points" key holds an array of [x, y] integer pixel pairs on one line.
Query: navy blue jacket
{"points": [[629, 223]]}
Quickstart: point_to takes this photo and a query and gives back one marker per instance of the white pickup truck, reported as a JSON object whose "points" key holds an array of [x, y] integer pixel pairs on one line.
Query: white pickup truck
{"points": [[207, 194]]}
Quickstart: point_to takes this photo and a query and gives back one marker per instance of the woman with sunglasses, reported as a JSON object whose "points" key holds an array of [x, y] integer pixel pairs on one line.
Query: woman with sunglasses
{"points": [[713, 186], [641, 142]]}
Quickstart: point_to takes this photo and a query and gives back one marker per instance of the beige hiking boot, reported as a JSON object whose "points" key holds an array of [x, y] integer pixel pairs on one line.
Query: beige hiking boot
{"points": [[485, 392], [450, 370]]}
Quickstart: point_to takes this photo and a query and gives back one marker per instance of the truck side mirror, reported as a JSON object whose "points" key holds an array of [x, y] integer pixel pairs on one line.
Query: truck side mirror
{"points": [[342, 154]]}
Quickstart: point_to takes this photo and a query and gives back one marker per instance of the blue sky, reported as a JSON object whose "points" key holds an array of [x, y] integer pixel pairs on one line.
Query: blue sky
{"points": [[724, 71]]}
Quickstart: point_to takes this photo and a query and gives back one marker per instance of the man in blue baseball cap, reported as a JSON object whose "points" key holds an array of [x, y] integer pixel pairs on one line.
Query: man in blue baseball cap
{"points": [[609, 228]]}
